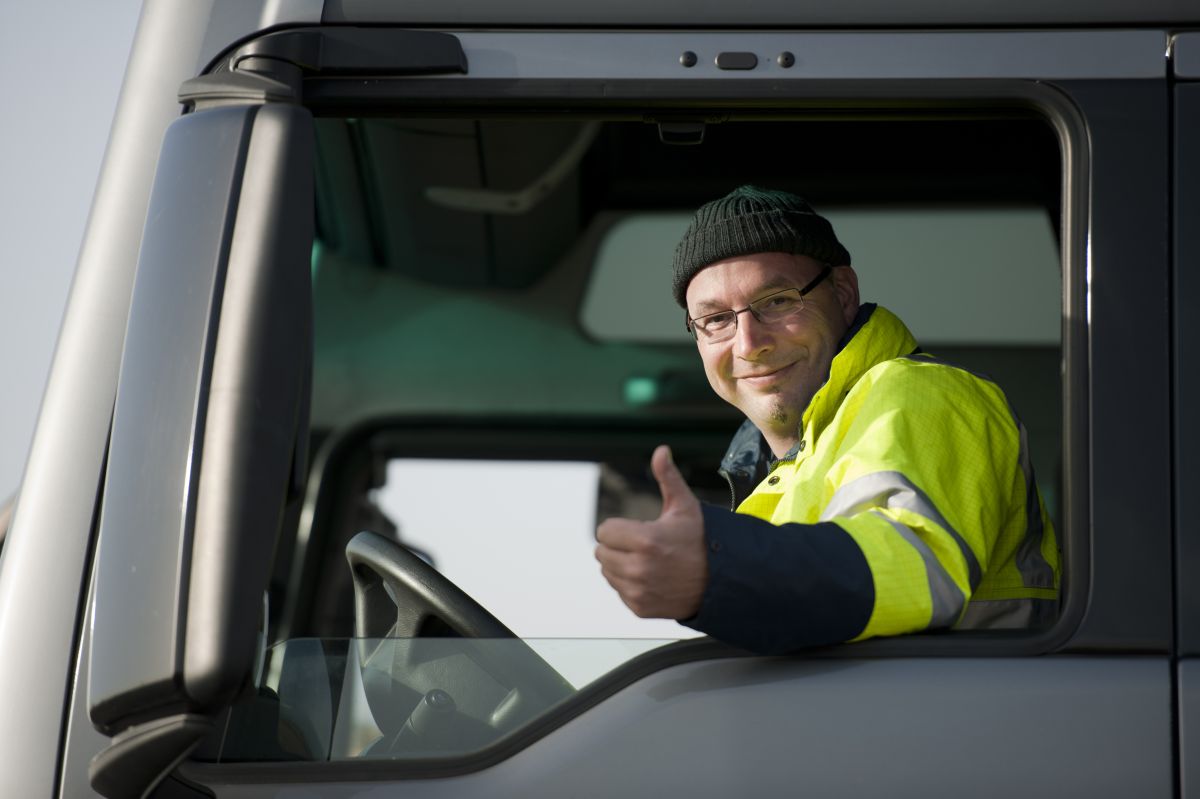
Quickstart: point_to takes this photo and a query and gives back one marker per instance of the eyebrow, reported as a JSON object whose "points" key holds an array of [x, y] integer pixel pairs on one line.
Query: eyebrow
{"points": [[706, 307]]}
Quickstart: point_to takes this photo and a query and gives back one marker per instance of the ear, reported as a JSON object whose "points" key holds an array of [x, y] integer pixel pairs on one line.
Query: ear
{"points": [[845, 284]]}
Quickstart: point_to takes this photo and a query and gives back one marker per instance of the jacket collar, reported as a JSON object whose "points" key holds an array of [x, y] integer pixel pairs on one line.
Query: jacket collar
{"points": [[876, 335]]}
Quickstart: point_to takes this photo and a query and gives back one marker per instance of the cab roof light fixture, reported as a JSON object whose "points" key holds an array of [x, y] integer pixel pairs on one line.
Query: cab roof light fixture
{"points": [[686, 133]]}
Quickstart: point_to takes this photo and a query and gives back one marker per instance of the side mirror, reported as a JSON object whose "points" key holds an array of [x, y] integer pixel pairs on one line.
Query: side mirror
{"points": [[209, 433]]}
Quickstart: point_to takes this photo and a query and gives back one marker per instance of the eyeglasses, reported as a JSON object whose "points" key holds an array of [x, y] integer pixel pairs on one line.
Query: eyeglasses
{"points": [[775, 307]]}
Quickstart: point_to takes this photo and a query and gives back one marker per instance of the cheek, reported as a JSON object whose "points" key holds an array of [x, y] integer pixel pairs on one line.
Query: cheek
{"points": [[716, 369]]}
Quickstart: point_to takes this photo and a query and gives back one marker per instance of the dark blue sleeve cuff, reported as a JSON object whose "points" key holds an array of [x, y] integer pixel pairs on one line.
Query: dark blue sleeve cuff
{"points": [[778, 588]]}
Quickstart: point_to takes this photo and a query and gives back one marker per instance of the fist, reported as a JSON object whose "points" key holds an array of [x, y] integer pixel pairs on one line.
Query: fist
{"points": [[658, 568]]}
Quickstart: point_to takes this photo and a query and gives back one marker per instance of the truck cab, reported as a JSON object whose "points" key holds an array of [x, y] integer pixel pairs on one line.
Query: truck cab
{"points": [[372, 326]]}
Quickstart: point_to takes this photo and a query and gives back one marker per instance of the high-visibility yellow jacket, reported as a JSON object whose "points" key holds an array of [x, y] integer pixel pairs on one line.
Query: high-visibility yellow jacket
{"points": [[909, 503]]}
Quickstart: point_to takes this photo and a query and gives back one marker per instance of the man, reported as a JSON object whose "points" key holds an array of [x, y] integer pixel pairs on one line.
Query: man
{"points": [[898, 493]]}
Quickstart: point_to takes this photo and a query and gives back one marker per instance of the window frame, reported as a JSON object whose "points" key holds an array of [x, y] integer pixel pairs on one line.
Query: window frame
{"points": [[953, 99]]}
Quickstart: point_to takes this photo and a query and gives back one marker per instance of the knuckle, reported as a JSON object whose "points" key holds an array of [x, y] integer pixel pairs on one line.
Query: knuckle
{"points": [[640, 601], [649, 546], [637, 571], [609, 573], [603, 530]]}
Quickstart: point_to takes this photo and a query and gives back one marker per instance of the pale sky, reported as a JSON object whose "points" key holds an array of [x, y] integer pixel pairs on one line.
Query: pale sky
{"points": [[61, 66]]}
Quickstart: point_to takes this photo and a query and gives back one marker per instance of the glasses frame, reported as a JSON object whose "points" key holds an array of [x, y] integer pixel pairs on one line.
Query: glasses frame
{"points": [[690, 322]]}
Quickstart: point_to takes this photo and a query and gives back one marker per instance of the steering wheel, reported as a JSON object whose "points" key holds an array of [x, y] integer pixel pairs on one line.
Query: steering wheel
{"points": [[414, 627]]}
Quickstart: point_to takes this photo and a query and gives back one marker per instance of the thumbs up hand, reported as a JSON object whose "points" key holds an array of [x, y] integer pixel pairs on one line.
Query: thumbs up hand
{"points": [[659, 568]]}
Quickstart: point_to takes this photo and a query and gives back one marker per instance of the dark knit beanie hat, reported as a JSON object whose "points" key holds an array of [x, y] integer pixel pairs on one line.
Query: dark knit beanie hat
{"points": [[751, 220]]}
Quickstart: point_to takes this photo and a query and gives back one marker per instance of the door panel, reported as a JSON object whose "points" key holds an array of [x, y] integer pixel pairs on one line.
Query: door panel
{"points": [[763, 727]]}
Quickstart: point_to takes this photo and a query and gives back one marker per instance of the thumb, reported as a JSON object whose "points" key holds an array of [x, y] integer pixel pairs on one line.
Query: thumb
{"points": [[675, 491]]}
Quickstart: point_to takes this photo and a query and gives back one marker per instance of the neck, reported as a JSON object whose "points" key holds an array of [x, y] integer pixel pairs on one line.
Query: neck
{"points": [[780, 444]]}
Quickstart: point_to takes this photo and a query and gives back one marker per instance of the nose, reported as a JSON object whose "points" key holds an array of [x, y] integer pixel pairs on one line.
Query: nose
{"points": [[752, 339]]}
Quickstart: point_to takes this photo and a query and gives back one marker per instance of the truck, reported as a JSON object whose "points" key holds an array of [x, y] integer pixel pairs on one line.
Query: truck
{"points": [[372, 325]]}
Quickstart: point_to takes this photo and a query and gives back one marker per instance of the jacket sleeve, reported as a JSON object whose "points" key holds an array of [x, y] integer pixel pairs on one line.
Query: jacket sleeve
{"points": [[924, 479], [775, 589]]}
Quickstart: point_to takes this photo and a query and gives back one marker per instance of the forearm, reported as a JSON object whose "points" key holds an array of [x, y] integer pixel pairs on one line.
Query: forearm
{"points": [[778, 588]]}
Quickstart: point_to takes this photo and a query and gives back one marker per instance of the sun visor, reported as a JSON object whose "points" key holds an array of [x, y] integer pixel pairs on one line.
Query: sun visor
{"points": [[467, 203]]}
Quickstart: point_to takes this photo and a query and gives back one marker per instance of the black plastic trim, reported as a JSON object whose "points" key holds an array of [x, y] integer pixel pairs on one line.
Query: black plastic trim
{"points": [[140, 757], [736, 61], [1174, 378], [1185, 55], [229, 88], [341, 51], [697, 99], [1186, 274], [1128, 387]]}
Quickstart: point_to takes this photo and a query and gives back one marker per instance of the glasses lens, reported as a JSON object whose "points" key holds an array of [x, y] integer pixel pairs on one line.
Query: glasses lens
{"points": [[716, 327], [778, 306]]}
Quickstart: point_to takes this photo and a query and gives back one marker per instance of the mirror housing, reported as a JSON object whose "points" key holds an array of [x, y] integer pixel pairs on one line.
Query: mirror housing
{"points": [[209, 430]]}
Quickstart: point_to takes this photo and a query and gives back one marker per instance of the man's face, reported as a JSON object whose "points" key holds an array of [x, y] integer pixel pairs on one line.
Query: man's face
{"points": [[771, 371]]}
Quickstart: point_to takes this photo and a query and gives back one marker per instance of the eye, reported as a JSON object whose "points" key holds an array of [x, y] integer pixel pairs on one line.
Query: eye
{"points": [[718, 321], [777, 304]]}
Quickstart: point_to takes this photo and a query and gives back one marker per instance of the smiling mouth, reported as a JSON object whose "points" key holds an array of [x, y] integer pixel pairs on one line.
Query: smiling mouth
{"points": [[765, 378]]}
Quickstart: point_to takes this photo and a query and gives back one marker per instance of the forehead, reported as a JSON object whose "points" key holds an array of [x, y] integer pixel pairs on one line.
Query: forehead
{"points": [[739, 280]]}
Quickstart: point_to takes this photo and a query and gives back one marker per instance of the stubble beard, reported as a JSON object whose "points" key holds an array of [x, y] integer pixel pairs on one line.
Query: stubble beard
{"points": [[780, 412]]}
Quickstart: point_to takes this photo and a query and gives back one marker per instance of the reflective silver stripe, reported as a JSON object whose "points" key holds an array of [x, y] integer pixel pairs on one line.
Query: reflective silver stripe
{"points": [[945, 596], [1035, 571], [1008, 614], [894, 490]]}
